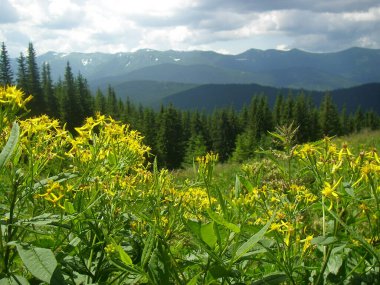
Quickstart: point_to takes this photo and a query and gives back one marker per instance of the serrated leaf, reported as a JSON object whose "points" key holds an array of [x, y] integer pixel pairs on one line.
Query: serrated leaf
{"points": [[148, 247], [11, 145], [221, 221]]}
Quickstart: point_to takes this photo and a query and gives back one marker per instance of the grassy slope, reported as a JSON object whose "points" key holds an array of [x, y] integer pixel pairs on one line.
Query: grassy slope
{"points": [[364, 139], [225, 173]]}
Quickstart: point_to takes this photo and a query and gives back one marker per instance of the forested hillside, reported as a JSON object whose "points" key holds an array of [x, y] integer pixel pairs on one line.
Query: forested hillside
{"points": [[177, 136], [211, 96]]}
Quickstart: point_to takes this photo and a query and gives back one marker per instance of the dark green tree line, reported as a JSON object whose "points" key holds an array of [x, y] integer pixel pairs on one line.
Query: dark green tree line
{"points": [[176, 137]]}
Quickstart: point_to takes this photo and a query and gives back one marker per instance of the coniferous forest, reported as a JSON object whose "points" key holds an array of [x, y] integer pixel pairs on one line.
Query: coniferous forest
{"points": [[176, 136]]}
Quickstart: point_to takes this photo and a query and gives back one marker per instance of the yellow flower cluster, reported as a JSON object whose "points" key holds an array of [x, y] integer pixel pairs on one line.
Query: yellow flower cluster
{"points": [[206, 165], [301, 193], [43, 140], [54, 194], [106, 140], [14, 97], [306, 150], [194, 200]]}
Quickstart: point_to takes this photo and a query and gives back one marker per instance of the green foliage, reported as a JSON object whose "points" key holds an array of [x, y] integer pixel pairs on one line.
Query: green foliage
{"points": [[6, 73], [91, 209]]}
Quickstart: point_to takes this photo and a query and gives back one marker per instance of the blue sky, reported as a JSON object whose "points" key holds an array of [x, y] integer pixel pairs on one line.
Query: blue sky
{"points": [[227, 26]]}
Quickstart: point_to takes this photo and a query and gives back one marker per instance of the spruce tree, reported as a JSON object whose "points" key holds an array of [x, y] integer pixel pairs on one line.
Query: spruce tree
{"points": [[6, 73], [85, 98], [288, 110], [278, 110], [359, 119], [111, 103], [70, 101], [100, 102], [149, 128], [37, 105], [344, 121], [329, 117], [22, 74], [170, 146], [197, 141], [244, 147], [223, 134], [51, 101], [302, 119]]}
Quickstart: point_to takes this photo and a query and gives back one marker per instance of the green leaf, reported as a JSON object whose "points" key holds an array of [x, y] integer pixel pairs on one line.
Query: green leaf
{"points": [[41, 220], [335, 263], [371, 250], [124, 257], [148, 247], [159, 267], [194, 280], [14, 280], [249, 244], [10, 146], [219, 271], [221, 221], [208, 234], [195, 227], [237, 187], [271, 279], [69, 207], [248, 185], [321, 240], [281, 138], [61, 177], [41, 263]]}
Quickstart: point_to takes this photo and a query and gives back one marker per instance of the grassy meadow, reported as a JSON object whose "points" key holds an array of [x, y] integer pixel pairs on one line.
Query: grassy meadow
{"points": [[90, 209]]}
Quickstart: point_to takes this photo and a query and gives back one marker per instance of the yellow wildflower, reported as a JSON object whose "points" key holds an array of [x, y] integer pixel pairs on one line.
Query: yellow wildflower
{"points": [[329, 191], [344, 151], [307, 242], [54, 193], [11, 95]]}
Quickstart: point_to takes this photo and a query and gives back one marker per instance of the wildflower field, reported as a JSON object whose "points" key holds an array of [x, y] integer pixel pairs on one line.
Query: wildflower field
{"points": [[91, 209]]}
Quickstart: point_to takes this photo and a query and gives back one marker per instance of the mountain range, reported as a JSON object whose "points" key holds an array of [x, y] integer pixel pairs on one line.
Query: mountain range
{"points": [[149, 76]]}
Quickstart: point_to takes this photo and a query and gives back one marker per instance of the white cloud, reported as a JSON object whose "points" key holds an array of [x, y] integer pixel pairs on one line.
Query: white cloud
{"points": [[231, 26], [8, 13]]}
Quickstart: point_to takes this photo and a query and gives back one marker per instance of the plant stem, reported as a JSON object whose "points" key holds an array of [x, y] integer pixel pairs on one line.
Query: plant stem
{"points": [[9, 225], [89, 262]]}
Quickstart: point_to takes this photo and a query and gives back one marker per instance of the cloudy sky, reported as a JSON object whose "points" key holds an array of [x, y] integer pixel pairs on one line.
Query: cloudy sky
{"points": [[227, 26]]}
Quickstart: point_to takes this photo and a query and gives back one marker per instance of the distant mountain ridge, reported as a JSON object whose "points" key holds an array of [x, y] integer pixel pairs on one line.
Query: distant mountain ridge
{"points": [[153, 77], [294, 68], [211, 96]]}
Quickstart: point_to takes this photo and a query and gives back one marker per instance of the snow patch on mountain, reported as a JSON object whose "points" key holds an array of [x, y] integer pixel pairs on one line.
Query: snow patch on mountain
{"points": [[86, 61]]}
